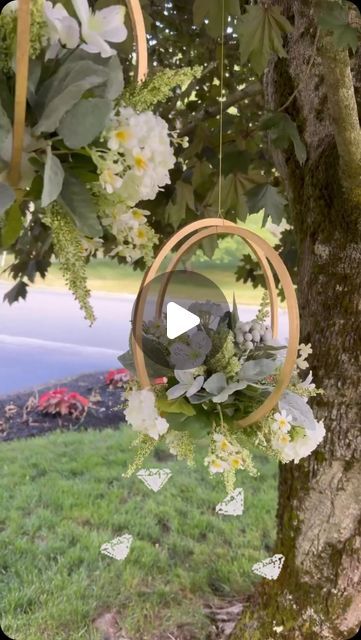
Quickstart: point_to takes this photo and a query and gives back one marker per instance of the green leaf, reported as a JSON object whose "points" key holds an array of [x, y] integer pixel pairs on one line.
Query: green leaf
{"points": [[210, 11], [260, 32], [334, 17], [19, 290], [233, 199], [60, 104], [268, 198], [115, 82], [12, 226], [209, 245], [77, 200], [53, 179], [180, 405], [235, 314], [7, 197], [84, 122], [282, 131], [176, 210]]}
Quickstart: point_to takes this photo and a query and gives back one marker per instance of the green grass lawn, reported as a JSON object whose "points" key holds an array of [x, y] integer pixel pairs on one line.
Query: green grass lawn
{"points": [[63, 496]]}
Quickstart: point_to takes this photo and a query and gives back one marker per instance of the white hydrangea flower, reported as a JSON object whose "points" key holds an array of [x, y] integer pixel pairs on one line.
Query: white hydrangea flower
{"points": [[100, 27], [188, 384], [142, 414], [301, 445]]}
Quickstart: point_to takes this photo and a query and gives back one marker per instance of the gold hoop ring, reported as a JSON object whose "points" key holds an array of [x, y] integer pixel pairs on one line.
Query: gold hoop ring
{"points": [[213, 226]]}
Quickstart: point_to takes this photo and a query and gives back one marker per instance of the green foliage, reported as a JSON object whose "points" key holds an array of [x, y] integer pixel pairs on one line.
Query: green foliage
{"points": [[282, 131], [183, 199], [79, 203], [179, 406], [260, 31], [268, 198], [210, 13], [84, 122], [53, 179], [13, 222], [8, 24], [334, 17]]}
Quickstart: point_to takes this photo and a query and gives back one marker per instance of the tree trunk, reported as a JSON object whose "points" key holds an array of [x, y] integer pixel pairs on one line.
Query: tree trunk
{"points": [[318, 593]]}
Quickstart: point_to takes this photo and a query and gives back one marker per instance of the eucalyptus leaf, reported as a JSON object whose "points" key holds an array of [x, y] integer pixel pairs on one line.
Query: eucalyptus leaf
{"points": [[53, 179], [61, 104], [7, 197], [84, 122], [216, 383], [79, 203], [256, 370], [115, 83], [298, 408]]}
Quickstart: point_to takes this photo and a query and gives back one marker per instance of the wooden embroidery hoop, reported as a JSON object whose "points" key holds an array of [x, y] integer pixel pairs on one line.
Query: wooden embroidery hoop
{"points": [[22, 73], [267, 256]]}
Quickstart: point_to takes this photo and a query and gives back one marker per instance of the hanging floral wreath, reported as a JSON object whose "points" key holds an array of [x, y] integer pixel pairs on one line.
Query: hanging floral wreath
{"points": [[224, 385], [92, 150]]}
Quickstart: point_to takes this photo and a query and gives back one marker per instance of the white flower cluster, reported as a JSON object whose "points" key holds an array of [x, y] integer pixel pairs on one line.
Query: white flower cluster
{"points": [[142, 414], [225, 456], [96, 29], [138, 158], [135, 238], [294, 443], [251, 334]]}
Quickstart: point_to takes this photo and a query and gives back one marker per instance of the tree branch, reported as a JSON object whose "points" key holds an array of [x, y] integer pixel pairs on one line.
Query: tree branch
{"points": [[249, 91], [343, 110]]}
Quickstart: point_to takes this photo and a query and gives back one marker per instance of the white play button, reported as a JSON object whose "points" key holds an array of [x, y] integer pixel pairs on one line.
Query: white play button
{"points": [[179, 320]]}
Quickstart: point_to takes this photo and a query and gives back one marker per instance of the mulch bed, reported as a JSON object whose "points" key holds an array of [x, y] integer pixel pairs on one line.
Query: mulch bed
{"points": [[20, 418]]}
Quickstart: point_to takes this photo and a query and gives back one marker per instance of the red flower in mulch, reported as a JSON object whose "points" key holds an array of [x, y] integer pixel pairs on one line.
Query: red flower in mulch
{"points": [[117, 377], [64, 402]]}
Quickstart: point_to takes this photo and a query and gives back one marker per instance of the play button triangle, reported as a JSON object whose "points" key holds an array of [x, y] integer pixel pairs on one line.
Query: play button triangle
{"points": [[179, 320]]}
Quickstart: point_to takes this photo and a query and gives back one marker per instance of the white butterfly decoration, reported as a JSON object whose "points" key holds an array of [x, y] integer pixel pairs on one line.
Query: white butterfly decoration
{"points": [[269, 568], [232, 505], [154, 479], [118, 548]]}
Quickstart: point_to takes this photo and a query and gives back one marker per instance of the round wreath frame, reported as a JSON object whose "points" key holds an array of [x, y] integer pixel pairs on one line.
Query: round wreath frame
{"points": [[267, 257]]}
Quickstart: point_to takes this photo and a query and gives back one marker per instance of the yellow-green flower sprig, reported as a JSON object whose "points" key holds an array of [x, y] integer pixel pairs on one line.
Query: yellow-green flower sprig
{"points": [[144, 445], [69, 251], [222, 356], [8, 26], [159, 87]]}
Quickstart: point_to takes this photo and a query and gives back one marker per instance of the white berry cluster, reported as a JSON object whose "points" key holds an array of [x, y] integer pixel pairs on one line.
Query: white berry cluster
{"points": [[251, 334]]}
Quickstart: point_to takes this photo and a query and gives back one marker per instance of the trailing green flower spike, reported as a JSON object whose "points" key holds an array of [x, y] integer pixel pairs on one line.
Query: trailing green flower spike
{"points": [[159, 87], [68, 249]]}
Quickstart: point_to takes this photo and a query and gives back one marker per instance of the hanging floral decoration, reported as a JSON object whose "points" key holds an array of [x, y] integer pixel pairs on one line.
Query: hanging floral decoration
{"points": [[92, 149], [208, 400]]}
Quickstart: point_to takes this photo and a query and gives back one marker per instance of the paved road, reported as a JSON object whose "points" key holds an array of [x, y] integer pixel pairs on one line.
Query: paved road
{"points": [[46, 337]]}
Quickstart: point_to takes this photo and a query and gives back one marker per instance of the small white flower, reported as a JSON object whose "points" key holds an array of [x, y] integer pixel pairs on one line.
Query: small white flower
{"points": [[308, 384], [216, 465], [100, 27], [282, 421], [110, 181]]}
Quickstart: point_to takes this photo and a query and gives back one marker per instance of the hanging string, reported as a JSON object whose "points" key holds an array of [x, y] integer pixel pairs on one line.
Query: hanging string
{"points": [[221, 115]]}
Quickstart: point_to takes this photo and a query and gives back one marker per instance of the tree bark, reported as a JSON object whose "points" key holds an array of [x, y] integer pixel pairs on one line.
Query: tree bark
{"points": [[318, 593]]}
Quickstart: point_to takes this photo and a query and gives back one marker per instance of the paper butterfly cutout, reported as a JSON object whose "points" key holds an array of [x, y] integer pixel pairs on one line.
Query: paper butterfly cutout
{"points": [[118, 548], [269, 568], [154, 479], [232, 505]]}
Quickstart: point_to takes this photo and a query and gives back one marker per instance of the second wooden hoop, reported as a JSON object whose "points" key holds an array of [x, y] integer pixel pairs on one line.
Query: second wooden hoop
{"points": [[212, 226]]}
